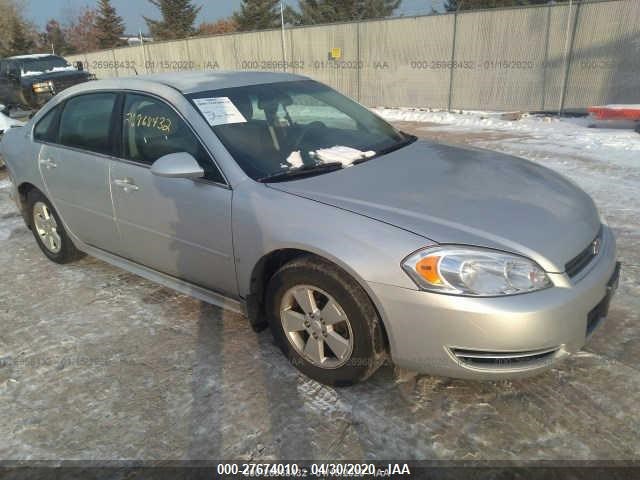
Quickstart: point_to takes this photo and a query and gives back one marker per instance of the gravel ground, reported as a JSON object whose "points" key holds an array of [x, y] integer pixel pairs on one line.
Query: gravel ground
{"points": [[96, 363]]}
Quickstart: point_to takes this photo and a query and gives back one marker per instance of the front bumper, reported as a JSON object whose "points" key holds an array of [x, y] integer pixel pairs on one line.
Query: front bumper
{"points": [[501, 337], [33, 100]]}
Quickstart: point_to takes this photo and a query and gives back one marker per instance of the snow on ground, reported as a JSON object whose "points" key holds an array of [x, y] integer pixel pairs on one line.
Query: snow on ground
{"points": [[619, 106], [6, 122], [562, 135]]}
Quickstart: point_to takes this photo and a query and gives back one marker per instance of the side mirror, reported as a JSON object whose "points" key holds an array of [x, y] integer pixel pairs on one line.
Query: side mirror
{"points": [[177, 165], [79, 66]]}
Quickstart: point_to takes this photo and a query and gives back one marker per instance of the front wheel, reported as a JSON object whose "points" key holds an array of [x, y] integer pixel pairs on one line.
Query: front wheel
{"points": [[324, 322]]}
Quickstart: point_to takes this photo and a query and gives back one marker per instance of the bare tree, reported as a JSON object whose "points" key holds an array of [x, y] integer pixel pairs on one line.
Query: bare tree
{"points": [[19, 35], [225, 25], [81, 34]]}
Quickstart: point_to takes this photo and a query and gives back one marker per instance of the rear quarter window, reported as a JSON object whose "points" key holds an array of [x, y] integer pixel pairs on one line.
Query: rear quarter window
{"points": [[46, 129]]}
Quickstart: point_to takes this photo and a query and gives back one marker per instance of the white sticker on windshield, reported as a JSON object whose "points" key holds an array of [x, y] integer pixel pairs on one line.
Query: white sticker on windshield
{"points": [[219, 111]]}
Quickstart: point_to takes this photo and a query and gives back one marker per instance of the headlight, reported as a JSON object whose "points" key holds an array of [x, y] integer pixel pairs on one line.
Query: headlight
{"points": [[473, 271], [42, 87]]}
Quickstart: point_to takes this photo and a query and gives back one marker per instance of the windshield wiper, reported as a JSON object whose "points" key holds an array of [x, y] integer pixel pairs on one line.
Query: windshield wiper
{"points": [[302, 172], [396, 146]]}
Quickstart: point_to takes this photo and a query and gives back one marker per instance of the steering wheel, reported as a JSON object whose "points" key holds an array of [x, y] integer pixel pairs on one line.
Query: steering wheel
{"points": [[303, 136]]}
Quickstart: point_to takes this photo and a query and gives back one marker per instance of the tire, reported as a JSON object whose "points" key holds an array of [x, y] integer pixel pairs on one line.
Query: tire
{"points": [[39, 208], [342, 309]]}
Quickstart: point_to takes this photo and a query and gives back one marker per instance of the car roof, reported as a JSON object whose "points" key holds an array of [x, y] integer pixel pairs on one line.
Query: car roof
{"points": [[192, 82], [31, 56]]}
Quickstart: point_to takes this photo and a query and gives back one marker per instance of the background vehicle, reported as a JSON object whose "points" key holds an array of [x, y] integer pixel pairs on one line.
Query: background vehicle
{"points": [[28, 81], [276, 195], [5, 123]]}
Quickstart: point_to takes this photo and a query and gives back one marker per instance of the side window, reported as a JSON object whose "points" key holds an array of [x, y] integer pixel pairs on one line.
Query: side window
{"points": [[12, 68], [46, 129], [86, 122], [152, 129]]}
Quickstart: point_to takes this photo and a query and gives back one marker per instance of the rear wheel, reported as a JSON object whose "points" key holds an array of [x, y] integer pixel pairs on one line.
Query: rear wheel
{"points": [[324, 322], [48, 230]]}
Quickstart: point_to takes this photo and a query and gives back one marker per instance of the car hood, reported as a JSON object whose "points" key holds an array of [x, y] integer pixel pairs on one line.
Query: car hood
{"points": [[464, 196], [55, 75]]}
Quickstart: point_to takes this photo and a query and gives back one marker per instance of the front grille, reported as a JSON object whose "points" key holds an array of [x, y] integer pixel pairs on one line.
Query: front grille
{"points": [[503, 360], [577, 264], [62, 84]]}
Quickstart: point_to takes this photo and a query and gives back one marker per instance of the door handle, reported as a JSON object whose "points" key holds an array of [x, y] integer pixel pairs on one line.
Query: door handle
{"points": [[126, 184], [48, 163]]}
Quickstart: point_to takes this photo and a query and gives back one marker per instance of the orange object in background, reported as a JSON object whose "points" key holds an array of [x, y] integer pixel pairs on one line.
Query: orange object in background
{"points": [[616, 112]]}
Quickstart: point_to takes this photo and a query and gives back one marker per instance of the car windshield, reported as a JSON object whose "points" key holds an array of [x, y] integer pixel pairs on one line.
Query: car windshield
{"points": [[277, 129], [38, 65]]}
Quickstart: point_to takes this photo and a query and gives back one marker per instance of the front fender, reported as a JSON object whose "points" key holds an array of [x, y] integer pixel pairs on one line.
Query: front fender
{"points": [[266, 220]]}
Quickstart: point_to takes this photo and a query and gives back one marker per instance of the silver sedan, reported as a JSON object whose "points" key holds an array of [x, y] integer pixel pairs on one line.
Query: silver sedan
{"points": [[274, 195]]}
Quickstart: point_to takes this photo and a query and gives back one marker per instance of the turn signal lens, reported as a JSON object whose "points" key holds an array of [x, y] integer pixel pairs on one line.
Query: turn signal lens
{"points": [[427, 268], [473, 271]]}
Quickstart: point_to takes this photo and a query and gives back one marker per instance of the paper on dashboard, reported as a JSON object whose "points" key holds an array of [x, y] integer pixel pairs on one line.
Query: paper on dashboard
{"points": [[219, 111]]}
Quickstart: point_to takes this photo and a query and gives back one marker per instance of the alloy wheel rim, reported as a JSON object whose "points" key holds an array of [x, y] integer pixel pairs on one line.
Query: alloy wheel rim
{"points": [[46, 227], [316, 326]]}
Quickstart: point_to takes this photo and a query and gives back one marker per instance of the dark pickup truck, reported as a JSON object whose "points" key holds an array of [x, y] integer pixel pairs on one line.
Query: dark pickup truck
{"points": [[28, 81]]}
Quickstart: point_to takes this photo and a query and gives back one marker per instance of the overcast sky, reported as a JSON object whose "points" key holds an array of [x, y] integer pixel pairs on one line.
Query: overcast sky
{"points": [[40, 11]]}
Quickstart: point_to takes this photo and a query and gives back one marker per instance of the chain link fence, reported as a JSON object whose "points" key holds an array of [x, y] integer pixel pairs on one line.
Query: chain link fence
{"points": [[539, 58]]}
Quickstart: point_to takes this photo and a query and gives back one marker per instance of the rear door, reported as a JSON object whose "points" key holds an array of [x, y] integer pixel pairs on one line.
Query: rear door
{"points": [[180, 227], [77, 141]]}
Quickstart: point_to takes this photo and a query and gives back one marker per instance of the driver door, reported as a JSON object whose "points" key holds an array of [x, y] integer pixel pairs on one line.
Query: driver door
{"points": [[177, 226]]}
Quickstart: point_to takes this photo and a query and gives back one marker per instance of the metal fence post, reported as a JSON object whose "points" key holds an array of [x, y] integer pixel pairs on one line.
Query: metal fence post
{"points": [[144, 54], [453, 59], [186, 45], [358, 66], [565, 80], [546, 59], [282, 39], [115, 63]]}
